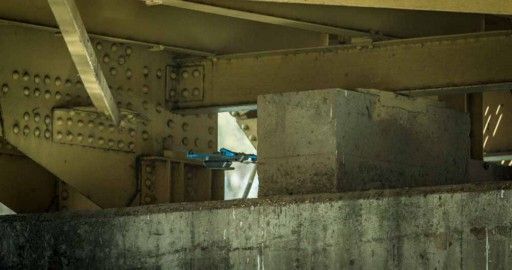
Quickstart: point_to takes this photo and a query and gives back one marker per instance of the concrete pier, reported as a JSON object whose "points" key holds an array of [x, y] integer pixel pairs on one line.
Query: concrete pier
{"points": [[450, 227], [338, 140]]}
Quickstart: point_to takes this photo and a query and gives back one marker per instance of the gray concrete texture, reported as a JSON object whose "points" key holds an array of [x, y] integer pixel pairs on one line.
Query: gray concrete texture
{"points": [[338, 140], [450, 227]]}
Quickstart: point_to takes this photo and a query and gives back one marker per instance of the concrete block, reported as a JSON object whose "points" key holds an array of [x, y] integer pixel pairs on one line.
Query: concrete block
{"points": [[338, 140]]}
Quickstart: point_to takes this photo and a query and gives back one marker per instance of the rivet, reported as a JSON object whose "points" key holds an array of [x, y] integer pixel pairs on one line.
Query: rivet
{"points": [[47, 79], [235, 114], [252, 138], [64, 194], [101, 140], [59, 135], [111, 128], [101, 126], [145, 105], [47, 120], [67, 83], [129, 105], [184, 74], [37, 92], [196, 73], [211, 130], [90, 139], [245, 127], [119, 103], [106, 58], [132, 133], [113, 71], [172, 93], [195, 92], [37, 132], [110, 143], [149, 169], [16, 129], [37, 117], [131, 146], [148, 182], [159, 73], [69, 121], [59, 121], [173, 75], [184, 126], [72, 113], [128, 74], [128, 50], [79, 137], [119, 89], [26, 76], [170, 123], [80, 123], [159, 108], [99, 46], [69, 136], [47, 94], [5, 88], [145, 89], [15, 75], [121, 60], [79, 84], [67, 96], [184, 92], [145, 71], [37, 79], [210, 144], [184, 141], [26, 91], [90, 124], [26, 116], [58, 81], [147, 199], [120, 144], [58, 95], [196, 142], [47, 134], [189, 175], [145, 135]]}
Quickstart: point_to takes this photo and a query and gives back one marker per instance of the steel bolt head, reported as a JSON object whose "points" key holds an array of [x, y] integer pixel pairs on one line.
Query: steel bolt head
{"points": [[47, 79], [5, 88], [69, 121], [47, 120], [47, 94], [184, 74], [173, 75], [58, 95], [69, 136], [80, 123], [15, 75], [26, 130], [37, 92], [59, 135], [37, 132], [101, 140], [26, 116], [184, 92], [26, 91], [37, 79], [60, 121], [16, 129], [47, 134], [37, 117], [145, 135], [79, 137], [26, 76], [196, 73], [58, 81]]}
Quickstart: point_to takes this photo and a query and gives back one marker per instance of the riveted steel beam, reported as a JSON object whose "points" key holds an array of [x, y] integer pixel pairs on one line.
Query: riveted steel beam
{"points": [[405, 66], [258, 17], [74, 33], [466, 6]]}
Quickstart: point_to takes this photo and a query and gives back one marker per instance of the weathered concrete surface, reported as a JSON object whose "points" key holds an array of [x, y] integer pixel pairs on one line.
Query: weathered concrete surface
{"points": [[461, 227], [337, 140]]}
